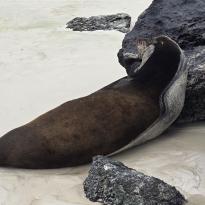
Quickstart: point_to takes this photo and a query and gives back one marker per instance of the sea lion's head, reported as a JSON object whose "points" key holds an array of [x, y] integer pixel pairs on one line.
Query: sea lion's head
{"points": [[131, 59], [160, 48]]}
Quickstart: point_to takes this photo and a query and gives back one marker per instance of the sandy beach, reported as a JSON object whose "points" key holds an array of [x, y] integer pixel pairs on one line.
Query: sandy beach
{"points": [[43, 65]]}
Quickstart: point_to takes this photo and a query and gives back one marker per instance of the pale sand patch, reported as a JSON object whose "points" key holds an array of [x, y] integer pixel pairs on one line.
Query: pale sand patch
{"points": [[42, 66]]}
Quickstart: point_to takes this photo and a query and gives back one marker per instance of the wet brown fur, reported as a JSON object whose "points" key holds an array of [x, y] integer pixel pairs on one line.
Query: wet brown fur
{"points": [[100, 123]]}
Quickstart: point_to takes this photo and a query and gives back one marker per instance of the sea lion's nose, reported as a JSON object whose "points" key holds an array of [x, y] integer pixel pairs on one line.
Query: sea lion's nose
{"points": [[129, 60]]}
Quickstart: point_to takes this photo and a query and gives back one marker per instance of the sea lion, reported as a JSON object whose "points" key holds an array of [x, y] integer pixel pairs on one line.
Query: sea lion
{"points": [[106, 121]]}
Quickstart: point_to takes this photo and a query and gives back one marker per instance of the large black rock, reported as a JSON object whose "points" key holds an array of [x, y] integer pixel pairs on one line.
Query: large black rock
{"points": [[120, 22], [183, 21], [112, 183]]}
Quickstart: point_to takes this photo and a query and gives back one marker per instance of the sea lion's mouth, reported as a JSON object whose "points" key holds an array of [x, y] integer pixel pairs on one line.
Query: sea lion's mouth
{"points": [[129, 60]]}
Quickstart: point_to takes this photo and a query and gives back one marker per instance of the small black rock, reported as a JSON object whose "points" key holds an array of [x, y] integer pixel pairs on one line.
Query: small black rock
{"points": [[120, 22], [112, 183]]}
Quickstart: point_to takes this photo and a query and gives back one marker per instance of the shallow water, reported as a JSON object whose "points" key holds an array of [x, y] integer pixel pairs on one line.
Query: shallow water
{"points": [[43, 65]]}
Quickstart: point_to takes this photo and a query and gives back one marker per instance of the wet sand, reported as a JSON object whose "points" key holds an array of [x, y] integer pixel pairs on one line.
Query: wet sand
{"points": [[43, 65]]}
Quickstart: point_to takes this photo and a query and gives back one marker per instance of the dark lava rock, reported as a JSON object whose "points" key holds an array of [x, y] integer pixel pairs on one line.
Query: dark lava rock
{"points": [[120, 22], [183, 21], [112, 183], [194, 107]]}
